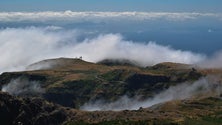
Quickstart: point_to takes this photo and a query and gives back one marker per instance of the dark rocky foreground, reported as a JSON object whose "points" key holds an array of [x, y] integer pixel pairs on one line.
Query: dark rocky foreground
{"points": [[36, 111], [29, 111]]}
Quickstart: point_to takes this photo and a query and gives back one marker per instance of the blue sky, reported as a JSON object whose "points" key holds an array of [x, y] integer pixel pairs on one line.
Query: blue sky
{"points": [[113, 5]]}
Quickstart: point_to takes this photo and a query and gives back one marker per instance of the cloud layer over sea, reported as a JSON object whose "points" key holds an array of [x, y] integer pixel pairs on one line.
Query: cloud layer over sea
{"points": [[99, 16], [28, 37]]}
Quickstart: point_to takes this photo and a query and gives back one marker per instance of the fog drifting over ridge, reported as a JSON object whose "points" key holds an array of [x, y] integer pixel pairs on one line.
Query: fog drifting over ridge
{"points": [[204, 87], [21, 47], [21, 86]]}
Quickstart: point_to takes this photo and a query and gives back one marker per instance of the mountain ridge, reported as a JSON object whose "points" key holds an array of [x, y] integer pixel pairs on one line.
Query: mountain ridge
{"points": [[71, 83]]}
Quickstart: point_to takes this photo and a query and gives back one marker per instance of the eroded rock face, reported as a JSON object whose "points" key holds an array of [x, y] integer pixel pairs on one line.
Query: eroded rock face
{"points": [[26, 111]]}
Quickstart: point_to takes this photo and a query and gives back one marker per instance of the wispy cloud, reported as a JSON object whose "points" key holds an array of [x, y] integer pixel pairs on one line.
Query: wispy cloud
{"points": [[98, 16], [21, 86], [204, 87]]}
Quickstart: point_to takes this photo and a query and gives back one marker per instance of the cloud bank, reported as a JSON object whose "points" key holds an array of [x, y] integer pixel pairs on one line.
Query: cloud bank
{"points": [[203, 87], [21, 47], [98, 16]]}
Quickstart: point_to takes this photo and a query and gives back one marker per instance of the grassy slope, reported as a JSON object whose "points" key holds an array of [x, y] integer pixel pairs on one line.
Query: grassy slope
{"points": [[73, 82], [206, 111]]}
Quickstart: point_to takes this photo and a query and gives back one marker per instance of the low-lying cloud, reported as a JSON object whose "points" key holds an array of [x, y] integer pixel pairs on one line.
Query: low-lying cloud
{"points": [[22, 86], [208, 86], [21, 47], [100, 16]]}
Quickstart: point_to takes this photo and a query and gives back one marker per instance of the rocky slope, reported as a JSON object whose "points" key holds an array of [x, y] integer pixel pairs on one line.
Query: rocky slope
{"points": [[29, 111]]}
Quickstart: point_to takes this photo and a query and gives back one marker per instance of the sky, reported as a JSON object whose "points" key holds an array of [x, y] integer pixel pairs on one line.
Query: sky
{"points": [[113, 5]]}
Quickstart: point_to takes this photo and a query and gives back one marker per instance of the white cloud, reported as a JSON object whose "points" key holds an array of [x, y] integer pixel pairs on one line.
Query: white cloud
{"points": [[98, 16], [212, 62], [23, 46]]}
